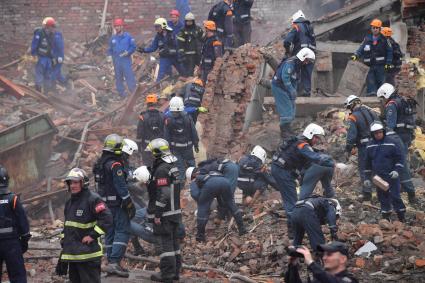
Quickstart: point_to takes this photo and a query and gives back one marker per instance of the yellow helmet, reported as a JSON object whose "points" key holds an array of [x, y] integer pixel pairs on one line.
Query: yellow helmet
{"points": [[161, 22]]}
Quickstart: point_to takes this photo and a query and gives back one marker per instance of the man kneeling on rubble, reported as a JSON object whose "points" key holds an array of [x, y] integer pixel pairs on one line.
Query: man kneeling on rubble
{"points": [[334, 270]]}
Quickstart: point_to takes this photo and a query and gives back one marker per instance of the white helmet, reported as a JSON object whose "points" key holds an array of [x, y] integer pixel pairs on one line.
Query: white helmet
{"points": [[376, 126], [350, 100], [129, 146], [306, 53], [259, 152], [142, 174], [176, 104], [189, 17], [313, 129], [338, 207], [189, 172], [298, 14], [386, 90]]}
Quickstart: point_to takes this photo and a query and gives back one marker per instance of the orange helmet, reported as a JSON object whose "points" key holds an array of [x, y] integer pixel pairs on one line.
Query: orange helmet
{"points": [[199, 82], [210, 25], [151, 98], [376, 23], [387, 31], [118, 22]]}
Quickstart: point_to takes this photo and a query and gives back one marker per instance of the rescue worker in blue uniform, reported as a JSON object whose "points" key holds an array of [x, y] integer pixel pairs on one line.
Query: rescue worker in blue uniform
{"points": [[47, 45], [121, 46], [384, 159], [253, 176], [206, 185], [308, 216], [174, 23], [164, 209], [211, 50], [193, 94], [284, 87], [242, 21], [400, 121], [166, 43], [397, 56], [358, 135], [222, 15], [301, 36], [87, 218], [111, 173], [189, 41], [377, 53], [181, 133], [149, 127], [14, 231], [296, 158]]}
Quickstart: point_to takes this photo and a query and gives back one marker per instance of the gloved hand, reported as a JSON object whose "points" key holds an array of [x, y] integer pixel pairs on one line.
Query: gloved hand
{"points": [[124, 54], [24, 245], [394, 174], [196, 147], [389, 67], [61, 267], [109, 59], [60, 60], [141, 49], [128, 205], [367, 184], [354, 57], [202, 109]]}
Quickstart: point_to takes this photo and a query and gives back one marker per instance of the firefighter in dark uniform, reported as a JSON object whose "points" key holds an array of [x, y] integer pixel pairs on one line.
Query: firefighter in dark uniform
{"points": [[397, 56], [189, 42], [193, 94], [301, 36], [358, 135], [164, 209], [150, 127], [308, 216], [14, 231], [211, 50], [242, 21], [400, 122], [111, 173], [222, 15], [87, 218]]}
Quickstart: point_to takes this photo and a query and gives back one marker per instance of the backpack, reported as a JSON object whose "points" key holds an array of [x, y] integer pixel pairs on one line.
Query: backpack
{"points": [[213, 15], [408, 106], [155, 123]]}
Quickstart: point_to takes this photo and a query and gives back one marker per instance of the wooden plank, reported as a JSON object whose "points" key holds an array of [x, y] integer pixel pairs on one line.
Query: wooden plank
{"points": [[11, 87], [44, 196]]}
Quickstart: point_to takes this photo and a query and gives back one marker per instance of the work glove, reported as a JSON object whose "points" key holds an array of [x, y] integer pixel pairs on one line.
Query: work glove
{"points": [[389, 67], [109, 59], [367, 184], [394, 174], [354, 57], [128, 205], [60, 60], [124, 54], [196, 148], [141, 49], [24, 242], [202, 109], [61, 267]]}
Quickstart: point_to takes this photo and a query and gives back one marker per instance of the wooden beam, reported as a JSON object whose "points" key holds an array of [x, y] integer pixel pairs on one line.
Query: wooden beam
{"points": [[14, 89]]}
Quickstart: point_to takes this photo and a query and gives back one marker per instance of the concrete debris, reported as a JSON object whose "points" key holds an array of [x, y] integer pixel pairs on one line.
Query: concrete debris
{"points": [[366, 250]]}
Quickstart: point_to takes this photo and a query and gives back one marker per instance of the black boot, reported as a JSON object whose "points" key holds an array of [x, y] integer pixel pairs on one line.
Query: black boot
{"points": [[285, 131], [157, 277], [239, 222], [412, 197], [138, 249], [290, 230], [200, 234], [400, 215], [386, 215]]}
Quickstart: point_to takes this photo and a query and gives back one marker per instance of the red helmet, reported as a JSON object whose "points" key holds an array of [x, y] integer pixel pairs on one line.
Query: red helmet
{"points": [[50, 22], [118, 22], [175, 12]]}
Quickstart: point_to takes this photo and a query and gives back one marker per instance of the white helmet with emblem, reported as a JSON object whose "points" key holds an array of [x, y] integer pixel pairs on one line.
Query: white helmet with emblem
{"points": [[313, 129], [129, 146], [259, 152], [386, 90], [306, 53], [142, 174]]}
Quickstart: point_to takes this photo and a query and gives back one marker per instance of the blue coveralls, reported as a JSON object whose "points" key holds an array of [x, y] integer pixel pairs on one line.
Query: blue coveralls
{"points": [[118, 45], [284, 89], [14, 234], [211, 50], [301, 36], [401, 125], [166, 42], [308, 216], [48, 48], [358, 135], [383, 157], [181, 133], [376, 53], [176, 28], [242, 21], [294, 156]]}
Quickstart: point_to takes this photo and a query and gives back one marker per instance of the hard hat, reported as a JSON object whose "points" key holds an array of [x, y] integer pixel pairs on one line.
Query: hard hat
{"points": [[189, 17], [47, 19], [77, 174], [387, 31], [350, 101], [176, 104], [129, 146], [376, 23], [199, 82], [313, 129], [161, 22], [151, 98], [159, 148], [189, 172], [118, 22], [386, 90], [49, 22], [338, 208], [113, 143], [210, 25], [175, 12], [298, 14], [4, 177], [376, 126], [259, 152], [306, 53], [142, 174]]}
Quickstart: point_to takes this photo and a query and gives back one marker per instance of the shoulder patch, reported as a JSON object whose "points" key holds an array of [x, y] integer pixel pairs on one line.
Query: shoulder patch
{"points": [[352, 118], [116, 164], [229, 13], [217, 43], [302, 145], [120, 172], [162, 182], [100, 207]]}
